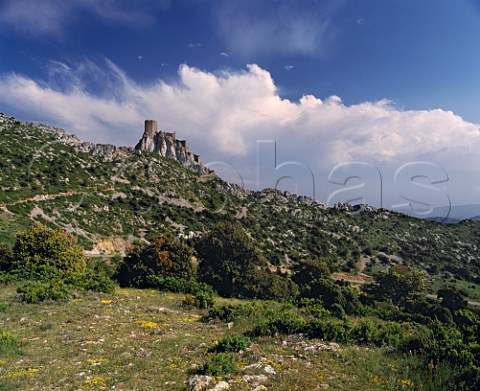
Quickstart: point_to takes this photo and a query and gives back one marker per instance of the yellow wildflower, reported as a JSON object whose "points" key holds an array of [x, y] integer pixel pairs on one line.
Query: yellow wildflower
{"points": [[96, 381], [406, 382], [147, 324], [18, 373]]}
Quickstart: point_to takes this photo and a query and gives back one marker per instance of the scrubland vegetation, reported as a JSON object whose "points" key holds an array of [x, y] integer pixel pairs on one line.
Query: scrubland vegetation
{"points": [[213, 315]]}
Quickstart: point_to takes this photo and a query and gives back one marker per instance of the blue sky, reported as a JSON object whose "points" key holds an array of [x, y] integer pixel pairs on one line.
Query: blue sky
{"points": [[385, 83]]}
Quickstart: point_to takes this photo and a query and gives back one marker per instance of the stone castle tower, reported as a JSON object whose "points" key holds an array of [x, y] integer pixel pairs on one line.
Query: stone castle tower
{"points": [[151, 127], [166, 144]]}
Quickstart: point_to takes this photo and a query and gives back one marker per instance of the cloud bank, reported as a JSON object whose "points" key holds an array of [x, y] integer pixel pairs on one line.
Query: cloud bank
{"points": [[223, 114]]}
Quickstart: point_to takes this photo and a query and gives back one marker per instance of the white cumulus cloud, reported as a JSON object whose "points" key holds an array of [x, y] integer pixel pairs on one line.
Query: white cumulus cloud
{"points": [[223, 114]]}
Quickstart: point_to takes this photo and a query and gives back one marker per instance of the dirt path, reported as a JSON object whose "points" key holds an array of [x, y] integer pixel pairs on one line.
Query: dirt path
{"points": [[48, 197], [41, 197]]}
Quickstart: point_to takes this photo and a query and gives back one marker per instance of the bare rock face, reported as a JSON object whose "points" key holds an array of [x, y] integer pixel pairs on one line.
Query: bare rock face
{"points": [[107, 151], [167, 145]]}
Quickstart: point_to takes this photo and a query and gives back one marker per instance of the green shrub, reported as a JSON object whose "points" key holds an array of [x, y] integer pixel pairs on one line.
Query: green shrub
{"points": [[418, 340], [313, 307], [232, 343], [40, 249], [386, 311], [389, 334], [263, 284], [202, 300], [7, 278], [7, 341], [205, 299], [279, 322], [92, 280], [338, 311], [107, 266], [330, 330], [308, 270], [3, 307], [232, 312], [179, 285], [364, 333], [219, 364], [37, 291]]}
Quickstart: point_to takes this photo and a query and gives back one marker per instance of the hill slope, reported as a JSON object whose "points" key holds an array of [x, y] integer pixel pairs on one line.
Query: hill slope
{"points": [[110, 196]]}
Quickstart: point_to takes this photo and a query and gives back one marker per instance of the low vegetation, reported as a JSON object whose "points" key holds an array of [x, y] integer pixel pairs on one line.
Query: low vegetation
{"points": [[177, 323]]}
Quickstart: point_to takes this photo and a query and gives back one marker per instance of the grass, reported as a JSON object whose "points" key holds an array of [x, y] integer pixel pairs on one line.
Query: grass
{"points": [[144, 339]]}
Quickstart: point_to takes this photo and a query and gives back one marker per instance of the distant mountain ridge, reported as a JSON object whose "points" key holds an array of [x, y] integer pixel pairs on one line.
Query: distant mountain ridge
{"points": [[450, 214]]}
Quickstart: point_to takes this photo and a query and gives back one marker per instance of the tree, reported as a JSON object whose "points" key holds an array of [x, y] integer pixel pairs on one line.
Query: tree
{"points": [[307, 271], [6, 257], [452, 298], [229, 260], [400, 287], [165, 256], [40, 247], [264, 284]]}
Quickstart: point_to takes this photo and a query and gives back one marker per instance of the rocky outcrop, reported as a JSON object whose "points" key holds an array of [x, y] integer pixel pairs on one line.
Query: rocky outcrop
{"points": [[107, 151], [167, 145]]}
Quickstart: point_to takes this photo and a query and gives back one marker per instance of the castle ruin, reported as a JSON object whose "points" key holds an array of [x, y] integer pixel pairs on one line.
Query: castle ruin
{"points": [[167, 145]]}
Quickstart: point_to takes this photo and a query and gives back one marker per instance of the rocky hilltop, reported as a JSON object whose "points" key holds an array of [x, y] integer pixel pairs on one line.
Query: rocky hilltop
{"points": [[163, 143], [167, 145]]}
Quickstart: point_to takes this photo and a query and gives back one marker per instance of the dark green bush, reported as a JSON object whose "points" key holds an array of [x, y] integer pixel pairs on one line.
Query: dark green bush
{"points": [[338, 311], [416, 340], [388, 334], [37, 291], [219, 364], [364, 333], [330, 330], [232, 343], [313, 307], [229, 261], [6, 257], [107, 266], [279, 322], [166, 257], [179, 285], [92, 280], [263, 284], [386, 311], [232, 312]]}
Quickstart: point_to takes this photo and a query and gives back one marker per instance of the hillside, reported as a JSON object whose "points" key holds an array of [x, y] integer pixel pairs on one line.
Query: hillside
{"points": [[110, 196]]}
